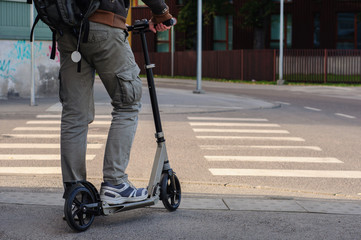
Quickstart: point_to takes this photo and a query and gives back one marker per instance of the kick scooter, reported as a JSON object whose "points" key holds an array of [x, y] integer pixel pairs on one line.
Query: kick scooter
{"points": [[82, 201]]}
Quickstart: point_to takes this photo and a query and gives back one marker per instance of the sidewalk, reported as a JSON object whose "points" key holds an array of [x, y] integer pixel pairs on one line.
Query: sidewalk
{"points": [[269, 204], [28, 215]]}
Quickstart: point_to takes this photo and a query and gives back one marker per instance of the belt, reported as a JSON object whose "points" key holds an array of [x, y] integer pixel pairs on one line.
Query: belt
{"points": [[108, 18]]}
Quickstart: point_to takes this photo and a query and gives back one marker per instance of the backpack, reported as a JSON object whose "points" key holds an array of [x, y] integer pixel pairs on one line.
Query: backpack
{"points": [[61, 14]]}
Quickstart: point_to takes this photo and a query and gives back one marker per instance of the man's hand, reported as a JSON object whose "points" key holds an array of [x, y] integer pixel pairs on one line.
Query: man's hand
{"points": [[159, 28]]}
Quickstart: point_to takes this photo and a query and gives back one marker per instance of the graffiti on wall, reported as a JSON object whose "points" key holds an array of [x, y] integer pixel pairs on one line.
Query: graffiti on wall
{"points": [[15, 66]]}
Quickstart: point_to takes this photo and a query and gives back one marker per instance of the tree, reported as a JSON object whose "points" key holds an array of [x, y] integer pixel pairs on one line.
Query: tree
{"points": [[256, 14], [187, 17]]}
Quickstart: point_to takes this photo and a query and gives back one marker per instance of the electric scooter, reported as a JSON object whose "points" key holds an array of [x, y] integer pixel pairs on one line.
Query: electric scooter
{"points": [[82, 201]]}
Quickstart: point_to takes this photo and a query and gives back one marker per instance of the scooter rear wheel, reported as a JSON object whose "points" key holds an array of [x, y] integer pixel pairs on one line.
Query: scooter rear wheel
{"points": [[170, 192], [76, 214]]}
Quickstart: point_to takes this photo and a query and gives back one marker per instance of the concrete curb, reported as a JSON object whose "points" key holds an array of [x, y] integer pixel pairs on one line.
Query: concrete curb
{"points": [[224, 204]]}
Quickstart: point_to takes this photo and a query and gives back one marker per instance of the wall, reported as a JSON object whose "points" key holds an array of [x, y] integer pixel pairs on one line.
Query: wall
{"points": [[15, 66]]}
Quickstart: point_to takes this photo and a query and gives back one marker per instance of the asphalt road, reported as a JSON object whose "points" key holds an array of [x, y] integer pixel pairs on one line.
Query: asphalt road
{"points": [[234, 139], [280, 162]]}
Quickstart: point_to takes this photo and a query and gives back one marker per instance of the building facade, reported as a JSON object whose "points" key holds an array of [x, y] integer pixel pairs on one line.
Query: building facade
{"points": [[309, 24]]}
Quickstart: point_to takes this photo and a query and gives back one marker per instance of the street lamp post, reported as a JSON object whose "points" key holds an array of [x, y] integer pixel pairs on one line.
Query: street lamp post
{"points": [[280, 80], [199, 49]]}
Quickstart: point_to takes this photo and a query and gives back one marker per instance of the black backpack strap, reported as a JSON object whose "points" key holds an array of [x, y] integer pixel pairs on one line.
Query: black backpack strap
{"points": [[53, 47], [86, 30], [32, 28]]}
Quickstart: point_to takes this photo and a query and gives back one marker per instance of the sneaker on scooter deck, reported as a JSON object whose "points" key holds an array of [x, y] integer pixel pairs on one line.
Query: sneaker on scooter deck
{"points": [[122, 193]]}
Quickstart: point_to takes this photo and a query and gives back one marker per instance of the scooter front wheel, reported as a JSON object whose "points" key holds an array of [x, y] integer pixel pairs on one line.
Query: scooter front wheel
{"points": [[76, 213], [170, 191]]}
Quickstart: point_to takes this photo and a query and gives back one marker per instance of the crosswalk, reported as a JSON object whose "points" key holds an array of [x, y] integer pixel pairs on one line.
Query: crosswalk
{"points": [[235, 136], [43, 158]]}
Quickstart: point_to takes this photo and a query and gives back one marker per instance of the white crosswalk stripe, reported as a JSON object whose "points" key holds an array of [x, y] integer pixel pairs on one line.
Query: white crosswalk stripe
{"points": [[238, 127], [28, 137]]}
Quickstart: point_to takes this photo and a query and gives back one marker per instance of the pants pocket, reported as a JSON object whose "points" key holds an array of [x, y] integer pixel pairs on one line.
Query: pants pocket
{"points": [[130, 85]]}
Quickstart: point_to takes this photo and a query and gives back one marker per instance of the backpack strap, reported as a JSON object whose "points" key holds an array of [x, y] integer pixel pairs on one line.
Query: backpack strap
{"points": [[53, 47], [32, 28]]}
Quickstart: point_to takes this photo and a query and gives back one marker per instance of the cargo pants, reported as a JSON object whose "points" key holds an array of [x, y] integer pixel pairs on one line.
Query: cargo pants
{"points": [[108, 53]]}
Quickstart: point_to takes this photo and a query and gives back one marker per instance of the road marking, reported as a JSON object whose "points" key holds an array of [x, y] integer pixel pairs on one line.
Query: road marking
{"points": [[284, 173], [283, 103], [46, 136], [218, 124], [59, 116], [345, 115], [235, 147], [30, 170], [36, 129], [272, 159], [296, 139], [239, 130], [40, 157], [42, 145], [313, 109], [229, 119], [58, 122]]}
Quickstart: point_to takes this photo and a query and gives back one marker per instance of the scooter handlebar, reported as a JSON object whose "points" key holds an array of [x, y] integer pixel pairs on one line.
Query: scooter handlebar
{"points": [[144, 24]]}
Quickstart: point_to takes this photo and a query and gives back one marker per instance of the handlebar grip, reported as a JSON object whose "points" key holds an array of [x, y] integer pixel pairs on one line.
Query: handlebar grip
{"points": [[170, 22]]}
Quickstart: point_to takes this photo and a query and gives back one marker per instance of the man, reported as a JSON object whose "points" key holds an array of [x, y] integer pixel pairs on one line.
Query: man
{"points": [[107, 52]]}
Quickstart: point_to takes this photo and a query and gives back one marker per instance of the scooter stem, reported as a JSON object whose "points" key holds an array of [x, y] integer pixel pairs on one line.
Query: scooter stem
{"points": [[153, 96]]}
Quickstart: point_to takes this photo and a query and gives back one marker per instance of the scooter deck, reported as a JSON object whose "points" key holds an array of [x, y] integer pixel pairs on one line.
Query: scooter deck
{"points": [[112, 209]]}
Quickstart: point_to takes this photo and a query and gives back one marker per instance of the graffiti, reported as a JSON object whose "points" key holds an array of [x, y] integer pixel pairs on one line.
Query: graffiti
{"points": [[5, 69], [23, 50]]}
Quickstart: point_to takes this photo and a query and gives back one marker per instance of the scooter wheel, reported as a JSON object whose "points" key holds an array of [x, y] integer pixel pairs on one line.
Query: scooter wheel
{"points": [[76, 214], [170, 192]]}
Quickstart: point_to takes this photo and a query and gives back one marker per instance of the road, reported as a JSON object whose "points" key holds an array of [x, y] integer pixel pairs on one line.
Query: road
{"points": [[234, 139]]}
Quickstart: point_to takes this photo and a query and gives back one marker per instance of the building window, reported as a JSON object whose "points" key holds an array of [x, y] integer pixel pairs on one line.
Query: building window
{"points": [[163, 41], [223, 33], [348, 31], [275, 31], [139, 3], [316, 31]]}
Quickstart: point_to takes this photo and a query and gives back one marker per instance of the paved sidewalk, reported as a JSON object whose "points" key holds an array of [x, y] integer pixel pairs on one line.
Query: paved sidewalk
{"points": [[270, 204]]}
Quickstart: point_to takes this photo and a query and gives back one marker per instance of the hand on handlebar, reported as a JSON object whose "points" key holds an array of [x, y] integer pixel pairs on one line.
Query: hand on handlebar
{"points": [[160, 27]]}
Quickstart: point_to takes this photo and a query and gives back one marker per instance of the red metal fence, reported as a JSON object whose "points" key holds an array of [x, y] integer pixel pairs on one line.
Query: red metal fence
{"points": [[314, 66]]}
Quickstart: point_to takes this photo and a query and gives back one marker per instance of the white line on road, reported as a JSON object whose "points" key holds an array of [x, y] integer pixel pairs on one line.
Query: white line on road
{"points": [[41, 157], [272, 159], [42, 145], [228, 119], [296, 139], [235, 147], [284, 173], [58, 122], [218, 124], [345, 115], [46, 136], [30, 170], [313, 109], [59, 116], [36, 129], [239, 130], [283, 103]]}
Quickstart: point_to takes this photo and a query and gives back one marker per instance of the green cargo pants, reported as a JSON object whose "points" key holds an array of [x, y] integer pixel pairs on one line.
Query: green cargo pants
{"points": [[108, 53]]}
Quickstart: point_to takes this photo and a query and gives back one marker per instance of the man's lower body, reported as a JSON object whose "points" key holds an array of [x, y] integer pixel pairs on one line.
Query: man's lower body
{"points": [[108, 53]]}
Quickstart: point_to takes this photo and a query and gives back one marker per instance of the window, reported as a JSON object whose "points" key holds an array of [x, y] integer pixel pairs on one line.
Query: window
{"points": [[348, 31], [275, 31], [163, 41], [316, 30], [223, 33], [139, 3]]}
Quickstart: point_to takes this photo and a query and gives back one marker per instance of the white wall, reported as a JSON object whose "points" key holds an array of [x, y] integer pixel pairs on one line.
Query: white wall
{"points": [[15, 66]]}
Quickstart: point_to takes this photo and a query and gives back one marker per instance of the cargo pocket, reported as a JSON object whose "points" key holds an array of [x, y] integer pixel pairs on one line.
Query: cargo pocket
{"points": [[130, 85]]}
